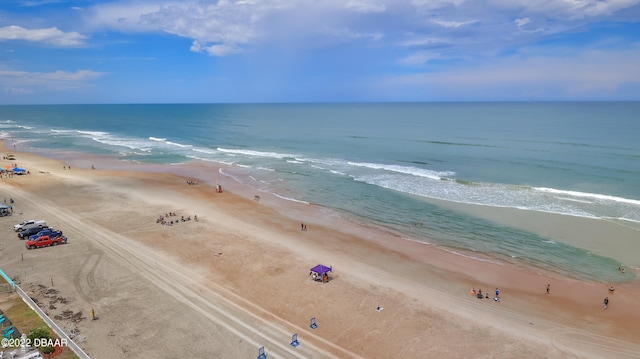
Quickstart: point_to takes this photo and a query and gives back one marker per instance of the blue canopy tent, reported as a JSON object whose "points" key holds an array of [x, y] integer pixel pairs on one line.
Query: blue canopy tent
{"points": [[320, 273], [19, 170]]}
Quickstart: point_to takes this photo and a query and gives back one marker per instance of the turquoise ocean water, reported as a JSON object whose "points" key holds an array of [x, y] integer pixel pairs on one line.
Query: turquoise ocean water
{"points": [[382, 163]]}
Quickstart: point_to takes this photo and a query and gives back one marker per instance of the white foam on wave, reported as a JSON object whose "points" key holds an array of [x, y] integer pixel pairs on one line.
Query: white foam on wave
{"points": [[482, 194], [177, 144], [132, 144], [420, 172], [596, 196], [94, 133], [573, 200], [200, 158], [416, 240], [289, 198], [628, 220], [165, 141], [254, 153], [204, 150], [471, 257]]}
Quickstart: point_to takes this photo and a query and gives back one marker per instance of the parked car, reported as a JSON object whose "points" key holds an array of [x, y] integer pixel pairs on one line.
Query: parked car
{"points": [[30, 231], [45, 241], [46, 232], [21, 226]]}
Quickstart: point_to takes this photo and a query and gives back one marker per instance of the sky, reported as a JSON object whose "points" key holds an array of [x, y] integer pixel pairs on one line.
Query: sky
{"points": [[247, 51]]}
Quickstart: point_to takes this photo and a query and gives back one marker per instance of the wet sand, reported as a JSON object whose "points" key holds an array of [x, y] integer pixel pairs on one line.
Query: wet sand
{"points": [[610, 238]]}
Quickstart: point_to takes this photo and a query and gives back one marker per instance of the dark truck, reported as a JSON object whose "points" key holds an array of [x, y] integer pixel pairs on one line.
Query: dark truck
{"points": [[45, 241], [46, 232], [24, 234]]}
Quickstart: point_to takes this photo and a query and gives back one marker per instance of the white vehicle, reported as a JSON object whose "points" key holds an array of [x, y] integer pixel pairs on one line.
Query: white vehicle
{"points": [[20, 226]]}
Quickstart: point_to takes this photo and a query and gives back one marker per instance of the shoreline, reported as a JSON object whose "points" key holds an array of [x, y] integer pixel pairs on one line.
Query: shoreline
{"points": [[574, 231], [417, 284]]}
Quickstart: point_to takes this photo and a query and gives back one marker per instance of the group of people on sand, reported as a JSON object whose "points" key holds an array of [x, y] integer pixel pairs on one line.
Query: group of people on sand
{"points": [[605, 302], [479, 294], [191, 182], [164, 219]]}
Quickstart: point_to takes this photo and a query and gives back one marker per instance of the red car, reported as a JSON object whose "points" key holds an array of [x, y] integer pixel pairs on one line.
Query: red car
{"points": [[45, 241]]}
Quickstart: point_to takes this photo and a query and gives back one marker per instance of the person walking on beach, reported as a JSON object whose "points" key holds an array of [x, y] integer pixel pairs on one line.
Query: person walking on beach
{"points": [[497, 293], [606, 302], [548, 289]]}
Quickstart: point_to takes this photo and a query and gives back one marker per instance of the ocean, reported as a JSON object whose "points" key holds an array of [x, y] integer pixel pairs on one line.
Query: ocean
{"points": [[392, 165]]}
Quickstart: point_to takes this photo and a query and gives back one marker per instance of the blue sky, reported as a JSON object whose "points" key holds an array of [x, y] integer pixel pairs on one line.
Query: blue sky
{"points": [[58, 51]]}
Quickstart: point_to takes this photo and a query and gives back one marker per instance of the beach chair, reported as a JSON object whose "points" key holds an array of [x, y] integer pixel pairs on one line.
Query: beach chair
{"points": [[8, 333], [7, 329], [261, 354], [294, 340], [313, 324], [2, 318]]}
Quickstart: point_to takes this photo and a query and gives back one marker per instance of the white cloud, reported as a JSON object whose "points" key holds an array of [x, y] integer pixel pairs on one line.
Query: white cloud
{"points": [[214, 50], [20, 82], [418, 58], [436, 4], [50, 36], [559, 9], [364, 7], [588, 74], [350, 34], [453, 24], [571, 8], [522, 22], [223, 27]]}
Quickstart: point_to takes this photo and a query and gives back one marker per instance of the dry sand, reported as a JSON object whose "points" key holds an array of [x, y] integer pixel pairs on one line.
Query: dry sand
{"points": [[237, 279]]}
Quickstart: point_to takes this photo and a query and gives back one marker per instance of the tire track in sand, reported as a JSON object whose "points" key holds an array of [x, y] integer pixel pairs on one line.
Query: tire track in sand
{"points": [[89, 277], [246, 320]]}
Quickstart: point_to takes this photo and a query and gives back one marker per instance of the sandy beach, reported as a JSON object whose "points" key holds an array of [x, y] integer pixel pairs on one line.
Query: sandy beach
{"points": [[238, 278]]}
